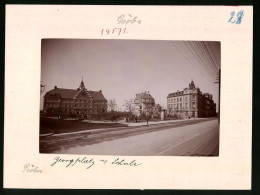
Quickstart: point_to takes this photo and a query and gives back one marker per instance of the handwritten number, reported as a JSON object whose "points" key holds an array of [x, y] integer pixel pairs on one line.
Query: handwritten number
{"points": [[117, 31], [232, 15], [114, 29], [239, 15], [107, 31]]}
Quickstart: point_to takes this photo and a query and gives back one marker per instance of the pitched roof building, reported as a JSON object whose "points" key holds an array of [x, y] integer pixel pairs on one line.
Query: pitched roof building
{"points": [[191, 102], [144, 103], [74, 101]]}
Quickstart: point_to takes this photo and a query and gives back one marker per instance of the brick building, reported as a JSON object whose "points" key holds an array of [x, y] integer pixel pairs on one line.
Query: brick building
{"points": [[81, 101], [191, 102]]}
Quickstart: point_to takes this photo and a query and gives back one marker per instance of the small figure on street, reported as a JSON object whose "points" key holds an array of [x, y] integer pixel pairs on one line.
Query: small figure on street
{"points": [[147, 119]]}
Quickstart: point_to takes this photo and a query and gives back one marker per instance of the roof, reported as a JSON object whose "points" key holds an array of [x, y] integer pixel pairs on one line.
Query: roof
{"points": [[70, 93], [144, 96], [97, 95], [63, 93], [178, 93]]}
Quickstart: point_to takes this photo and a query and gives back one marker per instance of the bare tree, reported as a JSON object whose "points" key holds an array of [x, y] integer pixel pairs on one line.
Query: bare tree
{"points": [[170, 110], [112, 105], [129, 105], [156, 111]]}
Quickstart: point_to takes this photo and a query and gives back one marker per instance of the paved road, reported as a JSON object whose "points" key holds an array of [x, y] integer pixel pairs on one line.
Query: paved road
{"points": [[200, 138]]}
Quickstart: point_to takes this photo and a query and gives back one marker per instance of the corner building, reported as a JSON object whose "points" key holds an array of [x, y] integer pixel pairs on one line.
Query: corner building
{"points": [[191, 102], [74, 101]]}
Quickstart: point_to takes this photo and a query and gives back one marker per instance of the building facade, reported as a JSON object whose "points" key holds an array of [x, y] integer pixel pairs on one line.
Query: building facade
{"points": [[191, 102], [144, 103], [79, 102]]}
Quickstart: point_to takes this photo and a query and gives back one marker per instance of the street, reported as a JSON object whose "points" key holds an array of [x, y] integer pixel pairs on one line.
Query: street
{"points": [[184, 138]]}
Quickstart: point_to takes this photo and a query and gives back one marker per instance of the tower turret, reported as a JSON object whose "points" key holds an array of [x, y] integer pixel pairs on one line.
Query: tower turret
{"points": [[82, 85]]}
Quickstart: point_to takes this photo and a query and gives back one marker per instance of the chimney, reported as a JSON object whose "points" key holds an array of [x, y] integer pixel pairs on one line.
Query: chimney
{"points": [[100, 91], [55, 87]]}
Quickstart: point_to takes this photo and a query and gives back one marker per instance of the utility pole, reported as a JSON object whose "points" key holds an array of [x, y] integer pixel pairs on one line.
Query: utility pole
{"points": [[42, 88], [219, 83], [219, 96]]}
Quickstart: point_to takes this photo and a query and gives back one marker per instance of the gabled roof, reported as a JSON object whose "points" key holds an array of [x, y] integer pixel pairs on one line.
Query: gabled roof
{"points": [[70, 93]]}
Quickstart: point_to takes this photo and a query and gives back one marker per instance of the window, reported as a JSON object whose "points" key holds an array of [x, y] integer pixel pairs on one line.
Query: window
{"points": [[180, 99]]}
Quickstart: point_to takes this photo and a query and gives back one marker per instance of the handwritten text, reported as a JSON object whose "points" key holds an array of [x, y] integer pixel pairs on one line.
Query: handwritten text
{"points": [[115, 31], [90, 162], [30, 168], [238, 19], [128, 19]]}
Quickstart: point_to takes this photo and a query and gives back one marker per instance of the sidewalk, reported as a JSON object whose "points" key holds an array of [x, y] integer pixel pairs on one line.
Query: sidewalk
{"points": [[128, 124], [158, 122], [99, 122]]}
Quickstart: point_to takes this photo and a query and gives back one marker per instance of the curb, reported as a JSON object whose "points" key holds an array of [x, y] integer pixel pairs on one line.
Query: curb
{"points": [[47, 134], [94, 130]]}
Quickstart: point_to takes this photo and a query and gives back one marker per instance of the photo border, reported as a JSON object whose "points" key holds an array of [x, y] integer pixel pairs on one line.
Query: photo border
{"points": [[256, 94]]}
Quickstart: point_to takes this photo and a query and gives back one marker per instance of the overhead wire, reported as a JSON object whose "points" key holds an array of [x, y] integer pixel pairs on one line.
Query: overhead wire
{"points": [[197, 58], [188, 59], [201, 54], [210, 54]]}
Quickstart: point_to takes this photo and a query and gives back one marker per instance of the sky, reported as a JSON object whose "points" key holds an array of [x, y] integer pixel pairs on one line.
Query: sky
{"points": [[123, 68]]}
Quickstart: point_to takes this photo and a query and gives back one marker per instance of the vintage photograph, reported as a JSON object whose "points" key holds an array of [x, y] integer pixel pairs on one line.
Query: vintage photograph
{"points": [[130, 97]]}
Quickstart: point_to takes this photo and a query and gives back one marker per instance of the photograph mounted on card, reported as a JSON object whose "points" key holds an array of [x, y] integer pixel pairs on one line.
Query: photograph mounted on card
{"points": [[113, 91], [145, 114]]}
